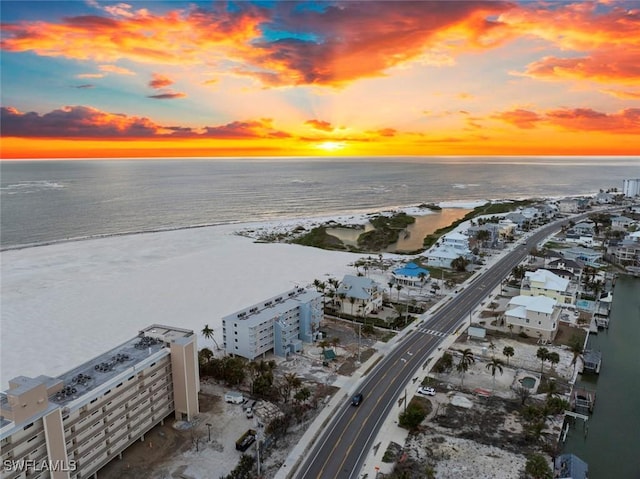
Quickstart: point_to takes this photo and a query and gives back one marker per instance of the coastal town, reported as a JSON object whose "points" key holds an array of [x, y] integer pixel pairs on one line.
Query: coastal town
{"points": [[252, 395]]}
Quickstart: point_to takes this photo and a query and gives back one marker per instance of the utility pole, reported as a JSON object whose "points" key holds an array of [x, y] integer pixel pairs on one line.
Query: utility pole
{"points": [[359, 335]]}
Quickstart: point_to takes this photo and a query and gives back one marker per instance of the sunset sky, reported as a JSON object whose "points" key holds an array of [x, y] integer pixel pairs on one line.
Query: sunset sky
{"points": [[93, 78]]}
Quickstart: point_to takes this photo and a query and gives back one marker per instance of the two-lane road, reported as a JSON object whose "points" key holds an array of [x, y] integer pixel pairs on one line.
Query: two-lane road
{"points": [[341, 448]]}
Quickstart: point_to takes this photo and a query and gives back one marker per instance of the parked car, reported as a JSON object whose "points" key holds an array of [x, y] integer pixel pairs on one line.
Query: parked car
{"points": [[426, 391], [357, 399]]}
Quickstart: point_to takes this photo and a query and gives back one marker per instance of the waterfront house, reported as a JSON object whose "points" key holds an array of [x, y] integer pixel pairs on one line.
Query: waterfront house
{"points": [[566, 264], [627, 251], [536, 316], [545, 283], [361, 293], [456, 241], [280, 324], [411, 275]]}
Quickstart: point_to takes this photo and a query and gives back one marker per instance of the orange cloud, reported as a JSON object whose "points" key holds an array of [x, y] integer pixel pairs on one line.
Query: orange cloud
{"points": [[352, 40], [521, 118], [624, 94], [160, 81], [320, 125], [585, 119], [626, 121], [167, 96], [75, 122], [608, 40], [116, 69], [245, 129]]}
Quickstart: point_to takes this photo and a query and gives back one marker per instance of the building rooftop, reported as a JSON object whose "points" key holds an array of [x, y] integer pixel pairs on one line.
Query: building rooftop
{"points": [[274, 306], [90, 376], [522, 304]]}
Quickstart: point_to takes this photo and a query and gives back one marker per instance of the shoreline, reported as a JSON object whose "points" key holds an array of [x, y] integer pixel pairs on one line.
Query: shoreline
{"points": [[352, 218]]}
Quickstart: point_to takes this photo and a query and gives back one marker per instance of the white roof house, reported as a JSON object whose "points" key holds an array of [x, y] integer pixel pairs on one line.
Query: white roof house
{"points": [[456, 240], [545, 283], [534, 315]]}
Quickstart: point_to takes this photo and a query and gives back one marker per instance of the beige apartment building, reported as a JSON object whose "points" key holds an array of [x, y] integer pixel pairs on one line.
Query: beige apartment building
{"points": [[70, 426]]}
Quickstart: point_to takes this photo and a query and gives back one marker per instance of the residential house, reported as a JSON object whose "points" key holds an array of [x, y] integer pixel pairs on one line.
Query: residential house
{"points": [[627, 251], [536, 316], [584, 228], [280, 324], [604, 198], [410, 275], [585, 255], [362, 295], [545, 283], [621, 223], [518, 218], [450, 247], [564, 263]]}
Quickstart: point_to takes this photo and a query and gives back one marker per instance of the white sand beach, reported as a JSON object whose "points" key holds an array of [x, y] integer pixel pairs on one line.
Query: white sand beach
{"points": [[66, 303]]}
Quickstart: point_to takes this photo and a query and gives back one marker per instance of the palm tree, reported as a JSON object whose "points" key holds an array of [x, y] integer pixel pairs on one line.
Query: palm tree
{"points": [[492, 347], [422, 275], [508, 351], [207, 332], [465, 361], [352, 300], [390, 284], [399, 287], [510, 326], [575, 346], [495, 365], [542, 355], [553, 358], [537, 467]]}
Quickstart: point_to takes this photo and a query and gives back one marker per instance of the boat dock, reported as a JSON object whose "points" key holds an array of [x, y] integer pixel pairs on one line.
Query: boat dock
{"points": [[582, 402], [592, 361]]}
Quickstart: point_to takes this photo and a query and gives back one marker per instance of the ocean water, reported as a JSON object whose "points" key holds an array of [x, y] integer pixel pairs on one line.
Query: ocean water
{"points": [[49, 201]]}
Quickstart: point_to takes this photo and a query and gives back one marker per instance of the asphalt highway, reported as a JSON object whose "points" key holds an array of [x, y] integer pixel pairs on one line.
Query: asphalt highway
{"points": [[344, 443]]}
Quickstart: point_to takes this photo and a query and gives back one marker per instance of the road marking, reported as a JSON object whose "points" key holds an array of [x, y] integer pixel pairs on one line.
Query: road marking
{"points": [[433, 333]]}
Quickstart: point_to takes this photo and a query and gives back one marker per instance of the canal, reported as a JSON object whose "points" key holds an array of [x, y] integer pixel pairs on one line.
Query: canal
{"points": [[611, 445]]}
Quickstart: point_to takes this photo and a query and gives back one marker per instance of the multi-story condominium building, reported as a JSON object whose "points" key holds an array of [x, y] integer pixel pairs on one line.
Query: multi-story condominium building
{"points": [[72, 425], [360, 292], [631, 187], [281, 323], [545, 283], [536, 316]]}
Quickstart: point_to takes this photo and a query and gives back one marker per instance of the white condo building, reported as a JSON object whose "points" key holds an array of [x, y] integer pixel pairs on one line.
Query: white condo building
{"points": [[70, 426], [631, 187], [281, 323]]}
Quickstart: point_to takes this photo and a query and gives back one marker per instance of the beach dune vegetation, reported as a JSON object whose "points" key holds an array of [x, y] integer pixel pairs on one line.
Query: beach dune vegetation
{"points": [[387, 231]]}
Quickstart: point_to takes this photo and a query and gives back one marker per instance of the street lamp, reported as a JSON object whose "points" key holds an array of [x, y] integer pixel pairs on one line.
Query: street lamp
{"points": [[209, 427]]}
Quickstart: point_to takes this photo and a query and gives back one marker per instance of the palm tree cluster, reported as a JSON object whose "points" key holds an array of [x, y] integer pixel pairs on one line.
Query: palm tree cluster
{"points": [[543, 354]]}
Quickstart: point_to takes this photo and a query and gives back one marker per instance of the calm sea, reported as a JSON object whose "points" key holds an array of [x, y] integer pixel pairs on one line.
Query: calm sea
{"points": [[48, 201]]}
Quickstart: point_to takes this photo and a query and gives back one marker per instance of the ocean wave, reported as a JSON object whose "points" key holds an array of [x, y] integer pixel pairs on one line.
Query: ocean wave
{"points": [[30, 186]]}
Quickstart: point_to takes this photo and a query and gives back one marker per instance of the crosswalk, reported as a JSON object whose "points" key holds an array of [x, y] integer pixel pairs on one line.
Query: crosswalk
{"points": [[433, 333]]}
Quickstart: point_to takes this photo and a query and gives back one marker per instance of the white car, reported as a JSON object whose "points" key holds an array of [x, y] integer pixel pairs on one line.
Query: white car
{"points": [[426, 391]]}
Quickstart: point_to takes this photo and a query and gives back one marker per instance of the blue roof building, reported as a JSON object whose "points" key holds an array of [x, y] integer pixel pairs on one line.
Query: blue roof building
{"points": [[411, 275]]}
